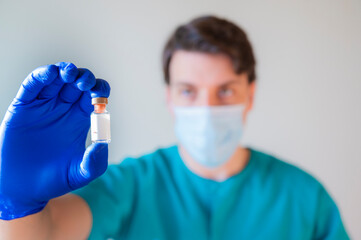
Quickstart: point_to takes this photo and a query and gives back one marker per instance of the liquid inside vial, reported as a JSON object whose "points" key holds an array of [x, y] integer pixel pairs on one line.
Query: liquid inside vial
{"points": [[100, 125]]}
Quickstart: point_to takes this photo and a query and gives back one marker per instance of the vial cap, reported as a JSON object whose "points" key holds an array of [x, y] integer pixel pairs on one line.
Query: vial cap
{"points": [[99, 100]]}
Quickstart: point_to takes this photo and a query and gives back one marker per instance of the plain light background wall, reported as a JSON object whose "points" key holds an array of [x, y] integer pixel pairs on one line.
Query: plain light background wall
{"points": [[307, 107]]}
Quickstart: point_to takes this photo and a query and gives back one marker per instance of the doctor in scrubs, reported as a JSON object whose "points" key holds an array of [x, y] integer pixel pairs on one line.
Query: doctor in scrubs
{"points": [[207, 186]]}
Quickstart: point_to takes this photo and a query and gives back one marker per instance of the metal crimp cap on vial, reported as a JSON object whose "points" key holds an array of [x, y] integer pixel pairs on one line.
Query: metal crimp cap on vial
{"points": [[99, 100]]}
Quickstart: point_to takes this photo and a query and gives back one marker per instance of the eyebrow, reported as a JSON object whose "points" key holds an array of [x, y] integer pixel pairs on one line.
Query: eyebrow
{"points": [[182, 84], [234, 81], [188, 84]]}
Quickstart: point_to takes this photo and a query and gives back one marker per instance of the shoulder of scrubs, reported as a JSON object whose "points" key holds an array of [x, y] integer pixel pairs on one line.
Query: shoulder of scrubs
{"points": [[111, 197], [306, 191]]}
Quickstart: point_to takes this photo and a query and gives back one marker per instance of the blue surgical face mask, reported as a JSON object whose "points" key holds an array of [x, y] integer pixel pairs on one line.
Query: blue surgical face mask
{"points": [[210, 134]]}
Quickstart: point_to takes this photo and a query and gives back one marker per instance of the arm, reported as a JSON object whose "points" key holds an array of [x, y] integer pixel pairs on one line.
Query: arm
{"points": [[64, 218]]}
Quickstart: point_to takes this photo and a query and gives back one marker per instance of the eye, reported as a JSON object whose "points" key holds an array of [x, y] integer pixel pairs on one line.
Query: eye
{"points": [[187, 92], [225, 92]]}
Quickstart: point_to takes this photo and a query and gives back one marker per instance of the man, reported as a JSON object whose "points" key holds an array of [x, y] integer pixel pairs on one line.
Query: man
{"points": [[206, 187]]}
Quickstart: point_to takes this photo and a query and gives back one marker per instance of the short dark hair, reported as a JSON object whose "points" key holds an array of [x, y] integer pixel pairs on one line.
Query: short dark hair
{"points": [[210, 34]]}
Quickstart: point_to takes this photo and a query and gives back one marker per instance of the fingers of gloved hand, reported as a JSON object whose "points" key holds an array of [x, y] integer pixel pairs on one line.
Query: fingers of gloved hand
{"points": [[93, 164], [85, 103], [35, 82], [68, 71], [85, 80], [67, 74], [101, 89], [72, 91], [51, 90]]}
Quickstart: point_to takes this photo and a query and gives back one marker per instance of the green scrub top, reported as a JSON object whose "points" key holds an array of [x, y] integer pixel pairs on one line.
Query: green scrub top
{"points": [[156, 196]]}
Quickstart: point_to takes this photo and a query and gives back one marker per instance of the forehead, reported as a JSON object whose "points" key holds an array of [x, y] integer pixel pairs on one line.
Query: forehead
{"points": [[199, 68]]}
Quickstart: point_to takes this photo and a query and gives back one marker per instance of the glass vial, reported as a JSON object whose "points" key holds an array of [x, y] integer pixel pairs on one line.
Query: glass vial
{"points": [[100, 121]]}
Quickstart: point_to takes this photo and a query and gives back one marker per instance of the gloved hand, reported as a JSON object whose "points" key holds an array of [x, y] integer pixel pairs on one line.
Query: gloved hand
{"points": [[42, 139]]}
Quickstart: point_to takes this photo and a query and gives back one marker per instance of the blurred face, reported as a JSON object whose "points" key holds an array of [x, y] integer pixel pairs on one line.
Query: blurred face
{"points": [[202, 79]]}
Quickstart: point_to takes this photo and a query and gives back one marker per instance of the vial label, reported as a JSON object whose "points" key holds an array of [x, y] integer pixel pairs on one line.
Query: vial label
{"points": [[100, 128]]}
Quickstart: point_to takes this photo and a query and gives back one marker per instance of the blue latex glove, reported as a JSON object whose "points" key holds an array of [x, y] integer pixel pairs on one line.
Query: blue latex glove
{"points": [[42, 139]]}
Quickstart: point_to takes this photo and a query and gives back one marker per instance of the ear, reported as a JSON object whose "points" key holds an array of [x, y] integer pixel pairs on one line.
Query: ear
{"points": [[252, 90], [249, 106]]}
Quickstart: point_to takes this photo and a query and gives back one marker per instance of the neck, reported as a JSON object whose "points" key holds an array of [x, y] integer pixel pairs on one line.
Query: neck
{"points": [[234, 165]]}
